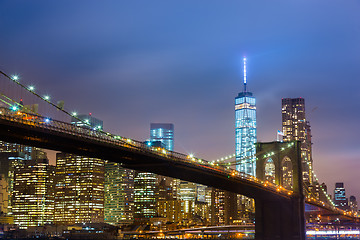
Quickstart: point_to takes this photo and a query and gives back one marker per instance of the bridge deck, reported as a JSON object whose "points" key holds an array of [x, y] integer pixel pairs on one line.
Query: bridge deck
{"points": [[42, 132]]}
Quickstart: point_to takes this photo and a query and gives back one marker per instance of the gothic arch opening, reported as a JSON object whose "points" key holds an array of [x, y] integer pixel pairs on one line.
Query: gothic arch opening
{"points": [[270, 170], [287, 173]]}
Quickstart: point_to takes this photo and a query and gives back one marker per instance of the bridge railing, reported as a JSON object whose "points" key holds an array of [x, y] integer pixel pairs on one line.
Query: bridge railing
{"points": [[105, 137]]}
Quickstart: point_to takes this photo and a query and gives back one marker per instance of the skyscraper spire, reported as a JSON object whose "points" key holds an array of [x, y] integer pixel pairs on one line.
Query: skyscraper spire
{"points": [[244, 60]]}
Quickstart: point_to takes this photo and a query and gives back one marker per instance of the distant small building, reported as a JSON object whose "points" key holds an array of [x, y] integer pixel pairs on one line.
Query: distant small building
{"points": [[155, 144], [340, 199], [88, 121]]}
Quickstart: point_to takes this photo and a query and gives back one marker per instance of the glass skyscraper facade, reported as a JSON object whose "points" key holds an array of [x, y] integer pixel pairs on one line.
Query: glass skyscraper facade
{"points": [[163, 132], [245, 132], [340, 199]]}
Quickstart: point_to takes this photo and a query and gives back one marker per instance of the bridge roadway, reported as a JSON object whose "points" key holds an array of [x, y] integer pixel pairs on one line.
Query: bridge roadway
{"points": [[279, 212], [41, 132], [38, 131]]}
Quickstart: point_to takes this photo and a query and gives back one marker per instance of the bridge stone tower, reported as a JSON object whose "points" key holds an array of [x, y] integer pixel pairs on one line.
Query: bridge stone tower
{"points": [[279, 219]]}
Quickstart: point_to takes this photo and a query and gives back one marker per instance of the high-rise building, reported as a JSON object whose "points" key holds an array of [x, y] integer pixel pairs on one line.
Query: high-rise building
{"points": [[245, 130], [200, 193], [119, 194], [295, 127], [4, 195], [147, 184], [187, 193], [163, 132], [165, 189], [14, 162], [245, 138], [223, 207], [202, 212], [172, 210], [33, 193], [144, 196], [353, 204], [340, 199], [79, 189], [11, 155]]}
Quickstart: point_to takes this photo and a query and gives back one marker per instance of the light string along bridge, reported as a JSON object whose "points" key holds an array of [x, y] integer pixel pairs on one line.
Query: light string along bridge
{"points": [[14, 111]]}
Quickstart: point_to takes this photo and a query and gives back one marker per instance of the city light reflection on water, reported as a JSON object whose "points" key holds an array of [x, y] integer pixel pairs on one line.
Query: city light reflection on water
{"points": [[333, 234]]}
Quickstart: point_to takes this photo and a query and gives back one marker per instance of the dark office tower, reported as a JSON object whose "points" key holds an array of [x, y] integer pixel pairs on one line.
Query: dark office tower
{"points": [[324, 187], [33, 193], [119, 194], [295, 127], [353, 204], [79, 189], [323, 193], [223, 207], [164, 189], [340, 199], [163, 132], [4, 195]]}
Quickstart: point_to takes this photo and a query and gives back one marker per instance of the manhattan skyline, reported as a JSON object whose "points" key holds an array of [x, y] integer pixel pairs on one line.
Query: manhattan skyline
{"points": [[131, 65]]}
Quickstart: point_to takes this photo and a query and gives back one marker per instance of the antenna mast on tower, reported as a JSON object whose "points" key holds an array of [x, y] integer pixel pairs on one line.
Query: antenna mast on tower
{"points": [[244, 60]]}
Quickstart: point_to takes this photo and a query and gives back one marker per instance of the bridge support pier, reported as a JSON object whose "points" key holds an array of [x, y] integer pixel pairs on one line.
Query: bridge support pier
{"points": [[280, 220]]}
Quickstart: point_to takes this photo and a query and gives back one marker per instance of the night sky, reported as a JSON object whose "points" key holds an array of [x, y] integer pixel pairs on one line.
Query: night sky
{"points": [[131, 63]]}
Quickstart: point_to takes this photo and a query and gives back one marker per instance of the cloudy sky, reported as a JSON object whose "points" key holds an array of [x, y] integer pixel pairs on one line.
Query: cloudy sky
{"points": [[131, 63]]}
